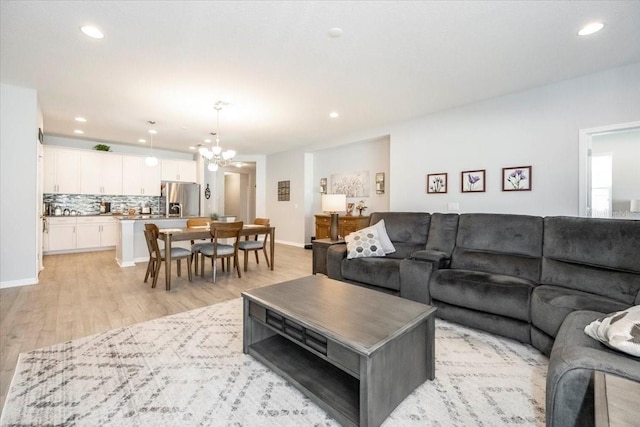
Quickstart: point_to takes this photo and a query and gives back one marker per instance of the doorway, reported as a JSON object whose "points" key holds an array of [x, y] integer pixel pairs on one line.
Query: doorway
{"points": [[609, 183], [239, 194]]}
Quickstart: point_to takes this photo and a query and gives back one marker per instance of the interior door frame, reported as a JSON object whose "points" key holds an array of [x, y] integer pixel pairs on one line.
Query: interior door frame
{"points": [[584, 154]]}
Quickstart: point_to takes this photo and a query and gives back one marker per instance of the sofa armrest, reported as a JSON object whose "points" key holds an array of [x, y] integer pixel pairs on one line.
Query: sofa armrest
{"points": [[335, 255], [414, 279], [574, 358], [441, 259]]}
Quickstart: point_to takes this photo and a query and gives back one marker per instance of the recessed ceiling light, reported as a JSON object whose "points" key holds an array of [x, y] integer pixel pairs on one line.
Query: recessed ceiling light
{"points": [[92, 31], [591, 28], [192, 148], [81, 119], [335, 32], [142, 141], [153, 131], [334, 115], [207, 140], [78, 131]]}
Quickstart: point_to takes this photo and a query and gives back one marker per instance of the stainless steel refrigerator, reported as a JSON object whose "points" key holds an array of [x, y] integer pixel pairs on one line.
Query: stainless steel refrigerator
{"points": [[180, 199]]}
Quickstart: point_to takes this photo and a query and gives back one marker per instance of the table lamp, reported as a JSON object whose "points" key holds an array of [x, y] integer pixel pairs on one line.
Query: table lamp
{"points": [[334, 203]]}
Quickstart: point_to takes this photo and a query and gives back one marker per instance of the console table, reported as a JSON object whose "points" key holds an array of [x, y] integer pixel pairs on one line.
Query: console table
{"points": [[346, 224]]}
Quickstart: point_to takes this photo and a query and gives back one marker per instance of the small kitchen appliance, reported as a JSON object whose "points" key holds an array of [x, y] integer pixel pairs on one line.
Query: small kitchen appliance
{"points": [[105, 207]]}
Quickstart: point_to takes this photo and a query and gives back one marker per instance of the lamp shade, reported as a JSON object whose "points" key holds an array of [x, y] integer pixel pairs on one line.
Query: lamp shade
{"points": [[334, 202], [635, 206]]}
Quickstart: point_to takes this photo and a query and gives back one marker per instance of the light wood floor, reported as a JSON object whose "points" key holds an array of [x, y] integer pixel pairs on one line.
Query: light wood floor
{"points": [[83, 294]]}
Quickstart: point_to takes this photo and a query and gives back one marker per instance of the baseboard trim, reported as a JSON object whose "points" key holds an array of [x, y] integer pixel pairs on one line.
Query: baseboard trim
{"points": [[284, 242], [22, 282]]}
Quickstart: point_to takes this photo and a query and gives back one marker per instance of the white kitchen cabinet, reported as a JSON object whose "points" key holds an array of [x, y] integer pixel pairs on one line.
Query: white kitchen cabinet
{"points": [[60, 170], [138, 178], [96, 232], [100, 173], [179, 170], [61, 234]]}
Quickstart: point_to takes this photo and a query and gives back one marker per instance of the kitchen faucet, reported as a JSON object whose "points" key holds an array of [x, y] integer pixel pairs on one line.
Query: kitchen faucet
{"points": [[177, 207]]}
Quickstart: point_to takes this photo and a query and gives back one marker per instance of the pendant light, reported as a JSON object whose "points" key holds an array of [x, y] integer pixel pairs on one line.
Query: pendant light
{"points": [[151, 160], [214, 156]]}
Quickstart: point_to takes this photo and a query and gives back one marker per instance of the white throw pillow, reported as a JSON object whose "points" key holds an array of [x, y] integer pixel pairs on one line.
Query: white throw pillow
{"points": [[619, 330], [387, 245], [364, 243]]}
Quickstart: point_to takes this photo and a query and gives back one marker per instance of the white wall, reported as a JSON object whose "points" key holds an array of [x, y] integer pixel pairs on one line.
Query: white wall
{"points": [[371, 155], [287, 217], [19, 208], [539, 127]]}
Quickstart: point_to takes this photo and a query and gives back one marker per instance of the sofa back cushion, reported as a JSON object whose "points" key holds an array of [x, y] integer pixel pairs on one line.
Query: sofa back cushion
{"points": [[407, 230], [499, 244], [600, 256], [442, 232]]}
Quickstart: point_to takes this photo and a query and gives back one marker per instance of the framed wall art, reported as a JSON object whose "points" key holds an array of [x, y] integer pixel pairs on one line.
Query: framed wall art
{"points": [[284, 191], [437, 183], [473, 181], [517, 178], [355, 184]]}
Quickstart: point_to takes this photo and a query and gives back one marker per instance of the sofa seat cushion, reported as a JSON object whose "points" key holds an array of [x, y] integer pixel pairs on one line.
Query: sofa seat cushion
{"points": [[491, 293], [551, 304], [383, 271]]}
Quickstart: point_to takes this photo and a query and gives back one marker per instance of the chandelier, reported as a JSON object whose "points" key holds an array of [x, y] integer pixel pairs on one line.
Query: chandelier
{"points": [[214, 156]]}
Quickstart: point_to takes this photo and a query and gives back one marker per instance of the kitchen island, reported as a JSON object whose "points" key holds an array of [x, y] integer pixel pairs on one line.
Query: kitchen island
{"points": [[131, 246]]}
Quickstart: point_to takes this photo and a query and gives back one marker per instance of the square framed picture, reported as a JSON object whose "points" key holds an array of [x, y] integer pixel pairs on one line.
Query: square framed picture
{"points": [[517, 178], [437, 183], [473, 181]]}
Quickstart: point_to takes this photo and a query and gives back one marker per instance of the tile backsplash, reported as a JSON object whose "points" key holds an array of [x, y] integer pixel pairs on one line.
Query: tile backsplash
{"points": [[89, 204]]}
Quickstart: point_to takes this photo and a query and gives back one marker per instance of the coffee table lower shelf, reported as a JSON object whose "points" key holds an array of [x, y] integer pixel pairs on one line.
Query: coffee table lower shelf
{"points": [[334, 390]]}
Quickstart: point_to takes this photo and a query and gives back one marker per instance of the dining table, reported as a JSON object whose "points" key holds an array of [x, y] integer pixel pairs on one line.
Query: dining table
{"points": [[169, 235]]}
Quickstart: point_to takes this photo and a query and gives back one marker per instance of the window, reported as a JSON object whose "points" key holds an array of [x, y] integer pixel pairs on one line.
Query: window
{"points": [[601, 185]]}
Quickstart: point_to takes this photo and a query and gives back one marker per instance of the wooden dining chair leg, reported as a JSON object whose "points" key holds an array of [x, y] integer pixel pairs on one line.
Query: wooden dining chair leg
{"points": [[266, 257], [156, 273], [149, 271], [213, 270], [237, 264], [257, 260], [246, 258], [179, 267], [189, 271], [202, 265], [195, 255]]}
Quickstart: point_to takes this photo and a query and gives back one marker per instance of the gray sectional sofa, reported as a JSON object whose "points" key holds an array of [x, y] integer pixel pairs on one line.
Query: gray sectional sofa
{"points": [[537, 280]]}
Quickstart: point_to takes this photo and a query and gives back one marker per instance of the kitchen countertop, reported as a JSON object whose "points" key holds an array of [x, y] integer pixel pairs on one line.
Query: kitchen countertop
{"points": [[121, 217]]}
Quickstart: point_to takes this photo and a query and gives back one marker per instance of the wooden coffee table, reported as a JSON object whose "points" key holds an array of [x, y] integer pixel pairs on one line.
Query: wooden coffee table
{"points": [[355, 352]]}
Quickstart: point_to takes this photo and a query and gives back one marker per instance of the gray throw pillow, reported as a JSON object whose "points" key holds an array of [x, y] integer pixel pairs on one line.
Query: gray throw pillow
{"points": [[364, 243]]}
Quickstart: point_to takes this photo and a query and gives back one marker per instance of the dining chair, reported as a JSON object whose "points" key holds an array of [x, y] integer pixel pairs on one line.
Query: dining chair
{"points": [[195, 247], [157, 255], [215, 250], [256, 244]]}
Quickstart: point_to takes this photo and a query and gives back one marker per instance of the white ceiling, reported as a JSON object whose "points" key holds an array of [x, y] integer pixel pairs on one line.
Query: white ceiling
{"points": [[169, 61]]}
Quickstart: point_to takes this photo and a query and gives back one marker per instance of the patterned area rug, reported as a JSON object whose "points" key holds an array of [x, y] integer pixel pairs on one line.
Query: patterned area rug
{"points": [[189, 369]]}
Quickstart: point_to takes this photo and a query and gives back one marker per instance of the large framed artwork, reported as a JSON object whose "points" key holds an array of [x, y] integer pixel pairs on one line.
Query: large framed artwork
{"points": [[473, 181], [355, 184], [516, 178], [437, 183]]}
